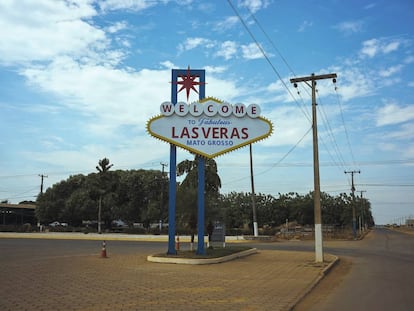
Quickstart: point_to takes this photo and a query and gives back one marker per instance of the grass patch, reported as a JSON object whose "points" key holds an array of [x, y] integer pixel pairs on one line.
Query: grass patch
{"points": [[210, 253]]}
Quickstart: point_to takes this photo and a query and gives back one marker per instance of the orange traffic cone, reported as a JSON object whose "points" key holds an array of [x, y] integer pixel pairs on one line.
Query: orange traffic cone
{"points": [[177, 243], [103, 251]]}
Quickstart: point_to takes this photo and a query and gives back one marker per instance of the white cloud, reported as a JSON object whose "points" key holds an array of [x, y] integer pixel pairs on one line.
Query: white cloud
{"points": [[254, 5], [370, 6], [227, 23], [117, 27], [131, 154], [290, 125], [409, 59], [305, 25], [167, 64], [251, 51], [349, 27], [394, 114], [215, 69], [47, 29], [391, 47], [192, 43], [354, 83], [114, 95], [135, 5], [223, 89], [227, 50], [390, 71], [408, 153], [372, 47], [405, 131]]}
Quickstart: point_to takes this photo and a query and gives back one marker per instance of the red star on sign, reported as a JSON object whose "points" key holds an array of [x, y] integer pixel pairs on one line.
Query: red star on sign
{"points": [[188, 82]]}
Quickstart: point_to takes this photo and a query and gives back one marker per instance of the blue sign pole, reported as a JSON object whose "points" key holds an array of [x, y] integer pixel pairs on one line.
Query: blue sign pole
{"points": [[200, 201], [173, 169], [171, 201], [173, 179]]}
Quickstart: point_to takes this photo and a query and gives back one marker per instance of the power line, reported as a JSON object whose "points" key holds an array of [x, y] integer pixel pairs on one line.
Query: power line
{"points": [[304, 110], [309, 164], [387, 185], [278, 162], [266, 57], [271, 42], [328, 128], [343, 123], [21, 194]]}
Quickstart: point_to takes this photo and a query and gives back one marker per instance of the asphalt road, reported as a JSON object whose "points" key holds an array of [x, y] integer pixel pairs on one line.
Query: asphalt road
{"points": [[21, 249], [380, 275]]}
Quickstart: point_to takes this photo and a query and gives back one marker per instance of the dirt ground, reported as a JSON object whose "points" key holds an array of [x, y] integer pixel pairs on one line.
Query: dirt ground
{"points": [[408, 230]]}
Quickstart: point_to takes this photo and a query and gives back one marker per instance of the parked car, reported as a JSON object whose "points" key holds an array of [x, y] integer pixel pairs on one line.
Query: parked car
{"points": [[58, 224], [119, 224]]}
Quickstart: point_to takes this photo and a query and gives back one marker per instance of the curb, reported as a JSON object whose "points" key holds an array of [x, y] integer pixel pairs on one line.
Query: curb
{"points": [[322, 274], [203, 261], [103, 236]]}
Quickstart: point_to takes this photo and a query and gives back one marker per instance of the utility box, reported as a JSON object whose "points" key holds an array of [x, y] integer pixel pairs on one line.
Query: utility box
{"points": [[218, 237]]}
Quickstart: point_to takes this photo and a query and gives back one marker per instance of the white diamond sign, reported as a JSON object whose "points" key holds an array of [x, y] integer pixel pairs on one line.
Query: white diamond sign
{"points": [[209, 127]]}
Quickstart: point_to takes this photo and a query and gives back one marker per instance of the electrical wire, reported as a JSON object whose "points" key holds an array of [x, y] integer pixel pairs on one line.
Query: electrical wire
{"points": [[266, 57], [324, 116], [329, 130], [304, 111], [309, 164], [345, 128], [281, 56], [278, 162]]}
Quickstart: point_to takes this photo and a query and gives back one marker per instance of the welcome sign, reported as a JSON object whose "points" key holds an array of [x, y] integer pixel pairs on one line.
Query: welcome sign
{"points": [[209, 127]]}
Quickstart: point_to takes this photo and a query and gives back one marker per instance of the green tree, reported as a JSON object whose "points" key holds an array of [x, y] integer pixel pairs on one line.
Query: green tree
{"points": [[51, 204], [188, 190], [155, 188], [238, 211], [103, 167]]}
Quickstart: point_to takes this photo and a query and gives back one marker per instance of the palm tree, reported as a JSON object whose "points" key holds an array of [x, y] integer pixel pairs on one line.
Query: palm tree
{"points": [[212, 179], [102, 167]]}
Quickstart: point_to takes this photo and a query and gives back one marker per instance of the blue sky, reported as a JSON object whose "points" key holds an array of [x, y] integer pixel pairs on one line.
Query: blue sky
{"points": [[80, 79]]}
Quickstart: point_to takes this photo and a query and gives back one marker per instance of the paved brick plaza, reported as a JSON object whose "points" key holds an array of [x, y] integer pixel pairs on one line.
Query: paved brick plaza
{"points": [[269, 280]]}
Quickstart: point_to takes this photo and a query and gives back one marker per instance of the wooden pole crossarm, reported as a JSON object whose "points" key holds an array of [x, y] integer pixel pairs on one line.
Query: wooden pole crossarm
{"points": [[313, 77]]}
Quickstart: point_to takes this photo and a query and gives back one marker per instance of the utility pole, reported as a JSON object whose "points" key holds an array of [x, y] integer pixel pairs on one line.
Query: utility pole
{"points": [[353, 201], [362, 227], [41, 182], [316, 178], [255, 227]]}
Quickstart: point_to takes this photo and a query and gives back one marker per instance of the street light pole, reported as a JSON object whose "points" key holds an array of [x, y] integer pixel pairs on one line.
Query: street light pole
{"points": [[162, 193], [316, 178], [255, 227]]}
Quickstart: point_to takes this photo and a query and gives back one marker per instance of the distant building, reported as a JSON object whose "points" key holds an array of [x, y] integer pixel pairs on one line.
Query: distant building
{"points": [[17, 214]]}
